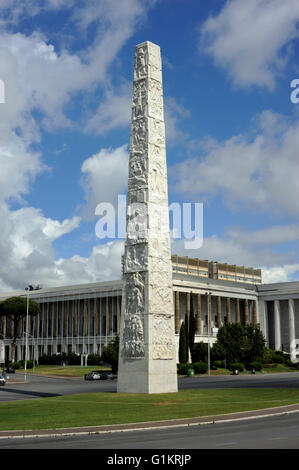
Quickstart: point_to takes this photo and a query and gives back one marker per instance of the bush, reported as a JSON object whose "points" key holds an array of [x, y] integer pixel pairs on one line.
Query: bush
{"points": [[219, 364], [56, 359], [237, 366], [200, 352], [278, 358], [200, 367], [183, 368], [93, 360], [255, 365], [15, 365], [289, 363]]}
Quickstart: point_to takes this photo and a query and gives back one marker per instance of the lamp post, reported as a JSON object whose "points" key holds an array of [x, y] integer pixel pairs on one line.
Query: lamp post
{"points": [[27, 289], [26, 338]]}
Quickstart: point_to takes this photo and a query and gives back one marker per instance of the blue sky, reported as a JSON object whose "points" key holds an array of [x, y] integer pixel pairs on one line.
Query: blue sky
{"points": [[232, 130]]}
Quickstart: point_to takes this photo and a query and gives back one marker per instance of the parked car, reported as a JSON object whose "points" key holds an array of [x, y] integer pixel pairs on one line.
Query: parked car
{"points": [[10, 370], [108, 376], [2, 380], [94, 375]]}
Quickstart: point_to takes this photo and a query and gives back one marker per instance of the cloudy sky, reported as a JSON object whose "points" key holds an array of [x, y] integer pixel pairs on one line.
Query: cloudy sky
{"points": [[232, 130]]}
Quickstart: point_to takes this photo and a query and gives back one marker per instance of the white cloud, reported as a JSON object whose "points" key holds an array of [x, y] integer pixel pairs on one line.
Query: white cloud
{"points": [[40, 77], [279, 273], [252, 39], [258, 172], [105, 175], [114, 112], [251, 248]]}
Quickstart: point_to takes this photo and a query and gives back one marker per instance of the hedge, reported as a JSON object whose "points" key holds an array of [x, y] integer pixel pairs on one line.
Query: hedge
{"points": [[200, 367], [237, 365], [183, 368], [255, 365]]}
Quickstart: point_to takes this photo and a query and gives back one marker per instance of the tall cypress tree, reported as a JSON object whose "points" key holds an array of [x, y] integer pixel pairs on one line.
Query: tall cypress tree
{"points": [[187, 336], [182, 345]]}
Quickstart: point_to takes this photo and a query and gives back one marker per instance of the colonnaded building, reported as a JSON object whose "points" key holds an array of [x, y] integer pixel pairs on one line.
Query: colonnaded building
{"points": [[84, 318]]}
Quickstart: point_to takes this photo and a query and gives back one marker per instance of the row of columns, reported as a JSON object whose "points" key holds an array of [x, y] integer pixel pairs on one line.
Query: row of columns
{"points": [[277, 327], [209, 306], [66, 312]]}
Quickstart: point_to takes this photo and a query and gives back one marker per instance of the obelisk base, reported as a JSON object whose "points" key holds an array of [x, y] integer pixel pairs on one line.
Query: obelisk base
{"points": [[141, 376]]}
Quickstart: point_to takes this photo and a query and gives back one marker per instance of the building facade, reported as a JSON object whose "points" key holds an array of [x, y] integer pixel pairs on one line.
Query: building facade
{"points": [[84, 318]]}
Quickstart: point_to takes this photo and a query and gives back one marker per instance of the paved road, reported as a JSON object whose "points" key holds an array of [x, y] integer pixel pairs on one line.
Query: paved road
{"points": [[39, 387], [281, 432]]}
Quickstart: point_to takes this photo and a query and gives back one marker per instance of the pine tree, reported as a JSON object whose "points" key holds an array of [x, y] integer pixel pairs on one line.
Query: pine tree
{"points": [[187, 337]]}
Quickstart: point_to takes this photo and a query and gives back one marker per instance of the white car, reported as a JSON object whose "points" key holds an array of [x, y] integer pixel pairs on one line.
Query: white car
{"points": [[2, 380]]}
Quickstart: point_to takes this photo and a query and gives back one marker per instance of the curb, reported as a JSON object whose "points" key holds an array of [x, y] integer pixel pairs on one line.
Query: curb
{"points": [[184, 422]]}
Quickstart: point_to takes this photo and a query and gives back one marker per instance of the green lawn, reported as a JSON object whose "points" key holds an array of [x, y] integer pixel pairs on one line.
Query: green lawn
{"points": [[68, 371], [78, 371], [115, 408]]}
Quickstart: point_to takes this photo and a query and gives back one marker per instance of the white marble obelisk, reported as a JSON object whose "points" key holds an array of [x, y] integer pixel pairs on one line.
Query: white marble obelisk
{"points": [[147, 360]]}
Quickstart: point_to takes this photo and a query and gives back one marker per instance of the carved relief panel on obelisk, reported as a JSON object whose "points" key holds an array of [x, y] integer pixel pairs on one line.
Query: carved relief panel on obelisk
{"points": [[147, 360]]}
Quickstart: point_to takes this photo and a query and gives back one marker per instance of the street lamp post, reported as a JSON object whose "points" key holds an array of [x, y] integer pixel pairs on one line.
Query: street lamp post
{"points": [[26, 338]]}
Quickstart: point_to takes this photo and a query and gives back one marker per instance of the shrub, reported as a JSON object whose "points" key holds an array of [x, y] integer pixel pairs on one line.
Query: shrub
{"points": [[289, 363], [183, 368], [56, 359], [237, 365], [278, 358], [93, 360], [219, 364], [200, 352], [255, 365], [15, 365], [200, 367]]}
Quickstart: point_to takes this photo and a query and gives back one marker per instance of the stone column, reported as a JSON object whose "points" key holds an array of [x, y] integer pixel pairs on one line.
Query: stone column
{"points": [[238, 316], [177, 312], [118, 313], [219, 313], [76, 318], [255, 315], [246, 312], [228, 310], [147, 358], [277, 331], [188, 300], [209, 310], [107, 317], [292, 337], [198, 317]]}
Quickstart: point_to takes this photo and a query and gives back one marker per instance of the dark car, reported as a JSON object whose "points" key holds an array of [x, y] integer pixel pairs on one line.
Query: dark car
{"points": [[2, 379], [108, 376], [94, 375], [10, 370]]}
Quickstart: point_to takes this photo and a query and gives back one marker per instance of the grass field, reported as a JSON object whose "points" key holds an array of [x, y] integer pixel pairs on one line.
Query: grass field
{"points": [[115, 408], [78, 371], [68, 371]]}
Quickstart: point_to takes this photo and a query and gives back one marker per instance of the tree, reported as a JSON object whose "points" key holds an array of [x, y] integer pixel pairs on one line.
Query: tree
{"points": [[110, 354], [200, 352], [15, 308], [187, 337], [241, 343], [182, 345], [256, 343], [232, 337]]}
